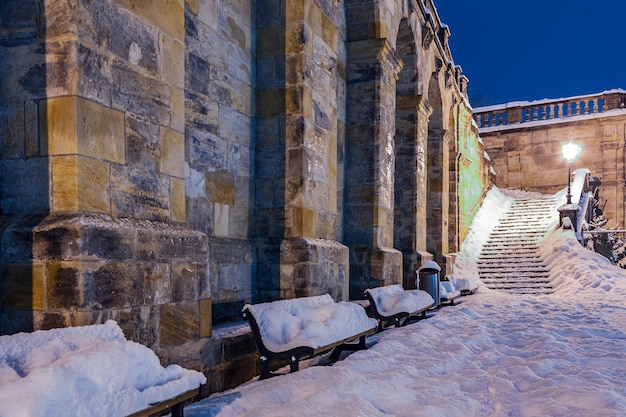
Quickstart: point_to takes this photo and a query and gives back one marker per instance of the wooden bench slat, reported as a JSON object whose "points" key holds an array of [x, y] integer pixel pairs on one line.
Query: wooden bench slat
{"points": [[169, 403]]}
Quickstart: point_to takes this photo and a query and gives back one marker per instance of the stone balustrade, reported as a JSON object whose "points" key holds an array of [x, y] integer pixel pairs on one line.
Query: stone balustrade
{"points": [[548, 109]]}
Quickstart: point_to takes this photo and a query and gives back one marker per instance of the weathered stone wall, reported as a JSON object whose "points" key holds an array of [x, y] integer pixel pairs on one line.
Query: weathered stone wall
{"points": [[299, 93], [162, 163], [219, 139], [103, 84], [530, 158]]}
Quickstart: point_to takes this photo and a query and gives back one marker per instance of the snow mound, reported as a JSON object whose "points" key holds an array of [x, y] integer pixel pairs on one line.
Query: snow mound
{"points": [[87, 370]]}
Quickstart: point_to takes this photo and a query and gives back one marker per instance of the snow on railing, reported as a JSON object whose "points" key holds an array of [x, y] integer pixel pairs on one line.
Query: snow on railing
{"points": [[548, 109]]}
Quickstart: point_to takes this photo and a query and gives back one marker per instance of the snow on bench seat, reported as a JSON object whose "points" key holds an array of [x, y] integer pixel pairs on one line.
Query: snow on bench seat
{"points": [[392, 303], [464, 285], [447, 292], [304, 327], [86, 370]]}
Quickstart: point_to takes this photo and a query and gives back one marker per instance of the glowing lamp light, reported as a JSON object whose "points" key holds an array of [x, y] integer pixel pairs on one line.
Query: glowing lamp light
{"points": [[570, 151]]}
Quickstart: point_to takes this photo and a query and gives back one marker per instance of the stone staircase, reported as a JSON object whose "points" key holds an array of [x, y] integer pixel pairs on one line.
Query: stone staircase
{"points": [[509, 260]]}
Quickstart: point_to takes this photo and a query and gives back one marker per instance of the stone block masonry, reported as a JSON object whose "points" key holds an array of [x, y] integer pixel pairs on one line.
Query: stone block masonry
{"points": [[164, 162]]}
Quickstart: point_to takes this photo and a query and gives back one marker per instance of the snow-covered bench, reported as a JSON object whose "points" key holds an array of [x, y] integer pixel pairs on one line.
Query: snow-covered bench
{"points": [[447, 292], [464, 285], [300, 328], [392, 303], [89, 370]]}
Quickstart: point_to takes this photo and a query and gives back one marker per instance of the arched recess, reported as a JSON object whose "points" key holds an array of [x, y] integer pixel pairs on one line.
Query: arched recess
{"points": [[437, 170], [408, 171]]}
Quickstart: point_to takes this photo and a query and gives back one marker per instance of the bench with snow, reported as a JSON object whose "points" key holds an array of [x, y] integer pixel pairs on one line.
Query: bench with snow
{"points": [[299, 328], [448, 293], [89, 370], [394, 304], [466, 286]]}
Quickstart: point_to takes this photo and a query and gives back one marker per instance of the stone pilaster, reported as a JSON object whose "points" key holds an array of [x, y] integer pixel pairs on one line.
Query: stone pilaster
{"points": [[297, 128], [438, 191], [370, 159], [412, 113]]}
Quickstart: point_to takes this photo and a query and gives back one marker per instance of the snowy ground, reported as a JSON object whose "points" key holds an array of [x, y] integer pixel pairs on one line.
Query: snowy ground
{"points": [[494, 354], [84, 371]]}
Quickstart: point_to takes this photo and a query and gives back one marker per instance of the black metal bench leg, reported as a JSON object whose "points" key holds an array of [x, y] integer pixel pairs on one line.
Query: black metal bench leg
{"points": [[265, 368], [294, 364], [177, 410]]}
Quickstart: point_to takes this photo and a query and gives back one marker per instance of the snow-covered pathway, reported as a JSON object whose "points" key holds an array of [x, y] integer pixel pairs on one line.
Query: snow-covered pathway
{"points": [[492, 355]]}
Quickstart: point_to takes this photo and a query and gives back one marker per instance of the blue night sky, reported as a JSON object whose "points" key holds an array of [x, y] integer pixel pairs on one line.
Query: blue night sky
{"points": [[534, 49]]}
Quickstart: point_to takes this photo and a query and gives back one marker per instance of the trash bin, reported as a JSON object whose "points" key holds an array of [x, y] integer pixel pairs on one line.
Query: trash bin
{"points": [[428, 280]]}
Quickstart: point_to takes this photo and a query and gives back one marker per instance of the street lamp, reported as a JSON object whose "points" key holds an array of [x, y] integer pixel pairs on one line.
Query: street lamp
{"points": [[570, 152]]}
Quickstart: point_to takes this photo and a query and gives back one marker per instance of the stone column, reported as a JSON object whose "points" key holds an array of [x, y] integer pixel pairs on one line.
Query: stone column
{"points": [[369, 204], [297, 60], [412, 113], [438, 191]]}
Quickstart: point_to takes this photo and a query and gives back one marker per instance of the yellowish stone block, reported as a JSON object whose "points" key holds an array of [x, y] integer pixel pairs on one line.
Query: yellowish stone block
{"points": [[294, 9], [193, 6], [221, 185], [93, 185], [58, 126], [179, 213], [72, 125], [100, 131], [178, 323], [379, 30], [303, 222], [172, 152], [169, 15], [329, 33], [177, 109], [64, 183], [298, 101], [173, 61], [206, 317]]}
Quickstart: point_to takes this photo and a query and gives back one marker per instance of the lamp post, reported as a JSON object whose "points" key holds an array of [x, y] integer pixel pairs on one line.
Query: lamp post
{"points": [[570, 152]]}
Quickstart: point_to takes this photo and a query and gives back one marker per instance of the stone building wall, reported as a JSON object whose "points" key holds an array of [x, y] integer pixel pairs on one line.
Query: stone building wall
{"points": [[526, 147], [162, 163]]}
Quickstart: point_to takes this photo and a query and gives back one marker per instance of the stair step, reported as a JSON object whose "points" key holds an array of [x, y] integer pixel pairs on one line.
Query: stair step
{"points": [[518, 284], [515, 271], [509, 260]]}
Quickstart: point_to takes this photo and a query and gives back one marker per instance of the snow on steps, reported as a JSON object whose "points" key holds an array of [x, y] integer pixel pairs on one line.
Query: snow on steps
{"points": [[510, 260]]}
